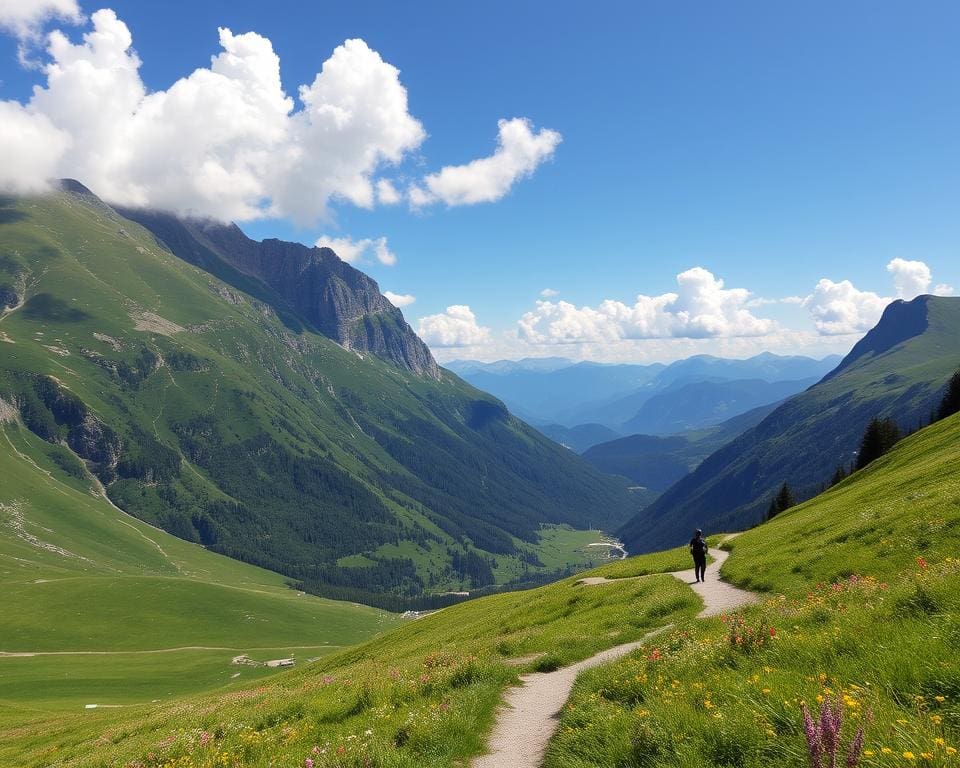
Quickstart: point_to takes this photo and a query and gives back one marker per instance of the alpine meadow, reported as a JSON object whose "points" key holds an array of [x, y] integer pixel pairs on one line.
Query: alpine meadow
{"points": [[436, 385]]}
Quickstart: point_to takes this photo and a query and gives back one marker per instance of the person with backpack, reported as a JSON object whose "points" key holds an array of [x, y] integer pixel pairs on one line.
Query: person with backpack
{"points": [[698, 548]]}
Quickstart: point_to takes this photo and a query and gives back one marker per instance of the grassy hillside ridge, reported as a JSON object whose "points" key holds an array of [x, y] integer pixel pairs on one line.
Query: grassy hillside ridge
{"points": [[81, 577], [423, 695], [205, 414], [903, 505], [863, 584], [804, 440]]}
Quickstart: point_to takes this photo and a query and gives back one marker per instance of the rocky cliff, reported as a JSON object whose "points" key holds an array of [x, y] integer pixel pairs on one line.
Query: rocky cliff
{"points": [[312, 285]]}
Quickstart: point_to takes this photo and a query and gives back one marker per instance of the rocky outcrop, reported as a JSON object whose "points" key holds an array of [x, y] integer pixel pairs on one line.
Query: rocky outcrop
{"points": [[313, 284]]}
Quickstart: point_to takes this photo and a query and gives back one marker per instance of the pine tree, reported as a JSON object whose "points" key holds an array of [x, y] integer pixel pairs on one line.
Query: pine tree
{"points": [[951, 399], [880, 436], [782, 501], [785, 498], [839, 475]]}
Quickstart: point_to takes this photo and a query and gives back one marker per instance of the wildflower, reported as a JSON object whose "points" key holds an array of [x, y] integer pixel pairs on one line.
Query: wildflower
{"points": [[926, 755], [939, 699], [951, 751], [922, 563], [908, 755], [308, 763]]}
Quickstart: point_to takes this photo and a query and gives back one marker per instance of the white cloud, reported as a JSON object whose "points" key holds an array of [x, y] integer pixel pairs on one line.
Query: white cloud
{"points": [[457, 327], [910, 278], [701, 308], [352, 251], [226, 141], [387, 194], [24, 17], [31, 147], [400, 299], [841, 308], [519, 152], [548, 293]]}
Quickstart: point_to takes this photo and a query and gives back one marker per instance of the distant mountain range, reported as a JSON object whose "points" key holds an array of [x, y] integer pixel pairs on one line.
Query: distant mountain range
{"points": [[690, 394], [657, 462], [899, 369], [266, 401]]}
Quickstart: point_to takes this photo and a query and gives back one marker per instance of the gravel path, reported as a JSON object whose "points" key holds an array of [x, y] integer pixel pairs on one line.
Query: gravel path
{"points": [[529, 716]]}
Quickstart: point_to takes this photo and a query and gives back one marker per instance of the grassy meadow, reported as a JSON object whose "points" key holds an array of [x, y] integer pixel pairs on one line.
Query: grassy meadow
{"points": [[863, 587], [421, 695]]}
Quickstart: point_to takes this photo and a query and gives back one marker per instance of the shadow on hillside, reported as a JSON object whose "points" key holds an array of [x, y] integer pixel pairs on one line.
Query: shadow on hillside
{"points": [[8, 211]]}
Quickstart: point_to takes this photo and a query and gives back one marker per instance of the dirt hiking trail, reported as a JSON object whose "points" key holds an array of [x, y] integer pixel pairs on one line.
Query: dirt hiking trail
{"points": [[529, 715]]}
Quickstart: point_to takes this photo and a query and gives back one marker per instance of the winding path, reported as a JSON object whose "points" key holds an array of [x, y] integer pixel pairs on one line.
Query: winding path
{"points": [[528, 718]]}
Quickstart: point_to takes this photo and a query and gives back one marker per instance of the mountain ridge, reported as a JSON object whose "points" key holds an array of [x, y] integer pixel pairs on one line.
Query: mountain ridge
{"points": [[808, 436]]}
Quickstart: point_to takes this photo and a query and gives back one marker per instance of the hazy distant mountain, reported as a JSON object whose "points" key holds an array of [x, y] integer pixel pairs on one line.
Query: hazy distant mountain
{"points": [[656, 462], [542, 396], [580, 437], [705, 403], [550, 392], [542, 364]]}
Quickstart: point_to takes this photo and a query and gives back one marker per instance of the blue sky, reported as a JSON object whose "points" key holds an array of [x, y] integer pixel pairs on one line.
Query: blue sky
{"points": [[772, 147]]}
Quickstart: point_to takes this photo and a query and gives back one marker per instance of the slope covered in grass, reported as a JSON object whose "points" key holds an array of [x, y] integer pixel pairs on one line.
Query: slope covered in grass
{"points": [[899, 369], [422, 695], [863, 586], [99, 607], [210, 406]]}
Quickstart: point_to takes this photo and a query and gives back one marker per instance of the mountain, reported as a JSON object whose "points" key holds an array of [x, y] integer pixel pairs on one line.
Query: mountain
{"points": [[898, 369], [706, 403], [580, 437], [545, 396], [616, 412], [552, 391], [501, 367], [264, 400], [309, 284], [657, 462]]}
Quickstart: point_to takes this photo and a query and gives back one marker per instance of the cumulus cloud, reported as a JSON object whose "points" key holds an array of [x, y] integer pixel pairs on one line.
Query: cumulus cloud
{"points": [[910, 278], [700, 308], [400, 299], [24, 17], [548, 293], [519, 151], [457, 327], [387, 194], [227, 141], [841, 308], [30, 146], [352, 251]]}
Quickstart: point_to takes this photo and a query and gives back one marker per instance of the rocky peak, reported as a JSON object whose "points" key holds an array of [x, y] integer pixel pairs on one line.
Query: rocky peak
{"points": [[336, 299]]}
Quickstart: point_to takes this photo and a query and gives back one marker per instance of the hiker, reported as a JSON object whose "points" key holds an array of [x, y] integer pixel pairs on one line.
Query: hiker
{"points": [[698, 548]]}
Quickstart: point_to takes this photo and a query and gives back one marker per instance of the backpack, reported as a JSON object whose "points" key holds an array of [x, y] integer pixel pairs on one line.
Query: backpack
{"points": [[699, 547]]}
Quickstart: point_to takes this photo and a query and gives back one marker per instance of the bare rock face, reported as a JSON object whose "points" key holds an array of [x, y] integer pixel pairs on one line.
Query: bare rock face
{"points": [[312, 284]]}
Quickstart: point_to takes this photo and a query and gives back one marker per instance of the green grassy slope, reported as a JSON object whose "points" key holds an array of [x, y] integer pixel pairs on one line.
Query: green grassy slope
{"points": [[424, 694], [862, 584], [899, 369], [204, 414], [115, 611]]}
